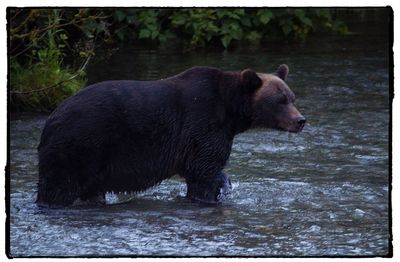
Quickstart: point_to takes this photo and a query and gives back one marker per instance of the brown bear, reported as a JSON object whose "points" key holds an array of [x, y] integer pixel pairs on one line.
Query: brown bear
{"points": [[127, 136]]}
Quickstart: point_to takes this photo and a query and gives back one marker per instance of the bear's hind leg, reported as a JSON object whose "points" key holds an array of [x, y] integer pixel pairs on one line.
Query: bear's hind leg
{"points": [[54, 192], [95, 200]]}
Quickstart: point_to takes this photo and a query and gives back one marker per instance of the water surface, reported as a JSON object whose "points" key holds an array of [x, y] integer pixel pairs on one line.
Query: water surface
{"points": [[323, 192]]}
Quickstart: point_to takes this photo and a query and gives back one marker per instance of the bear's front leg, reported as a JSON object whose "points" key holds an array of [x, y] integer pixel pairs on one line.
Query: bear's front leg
{"points": [[210, 190]]}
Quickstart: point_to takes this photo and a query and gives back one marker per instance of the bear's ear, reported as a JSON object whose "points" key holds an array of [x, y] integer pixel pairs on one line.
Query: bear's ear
{"points": [[282, 71], [250, 80]]}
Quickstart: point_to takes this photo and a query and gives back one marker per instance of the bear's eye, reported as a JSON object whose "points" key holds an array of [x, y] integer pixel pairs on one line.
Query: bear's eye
{"points": [[283, 100]]}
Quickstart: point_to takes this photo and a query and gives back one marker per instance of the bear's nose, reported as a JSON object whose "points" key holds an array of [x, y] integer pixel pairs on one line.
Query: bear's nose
{"points": [[301, 121]]}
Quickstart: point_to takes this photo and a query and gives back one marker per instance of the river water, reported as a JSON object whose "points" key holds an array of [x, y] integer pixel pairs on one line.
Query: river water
{"points": [[323, 192]]}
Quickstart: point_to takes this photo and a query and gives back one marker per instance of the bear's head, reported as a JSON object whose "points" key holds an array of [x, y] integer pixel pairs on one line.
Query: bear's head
{"points": [[272, 101]]}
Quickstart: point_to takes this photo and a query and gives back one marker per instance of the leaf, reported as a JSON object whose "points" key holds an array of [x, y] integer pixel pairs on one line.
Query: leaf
{"points": [[144, 33], [301, 15], [246, 21], [226, 40], [120, 34], [323, 13], [162, 39], [307, 21], [130, 19], [169, 34], [340, 27], [63, 37], [233, 15], [253, 36], [178, 19], [100, 27], [239, 11], [154, 34], [265, 16], [120, 15]]}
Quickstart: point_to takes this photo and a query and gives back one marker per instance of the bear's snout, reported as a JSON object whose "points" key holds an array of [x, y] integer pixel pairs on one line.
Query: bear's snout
{"points": [[290, 119], [297, 124], [301, 122], [294, 125]]}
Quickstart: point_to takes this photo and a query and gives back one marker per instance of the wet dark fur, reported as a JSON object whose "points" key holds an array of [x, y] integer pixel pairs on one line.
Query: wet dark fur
{"points": [[130, 135]]}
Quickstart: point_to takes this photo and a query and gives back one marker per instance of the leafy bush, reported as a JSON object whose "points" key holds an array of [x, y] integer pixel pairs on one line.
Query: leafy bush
{"points": [[200, 26], [47, 46], [39, 80], [41, 88]]}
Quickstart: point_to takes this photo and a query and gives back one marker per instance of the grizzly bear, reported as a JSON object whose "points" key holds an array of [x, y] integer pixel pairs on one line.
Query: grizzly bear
{"points": [[127, 136]]}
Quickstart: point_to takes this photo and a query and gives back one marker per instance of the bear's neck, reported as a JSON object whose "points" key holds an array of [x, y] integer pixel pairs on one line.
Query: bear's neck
{"points": [[242, 127], [242, 124], [236, 102], [238, 121]]}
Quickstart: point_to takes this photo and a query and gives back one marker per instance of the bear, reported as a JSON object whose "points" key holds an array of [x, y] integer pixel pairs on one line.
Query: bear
{"points": [[128, 136]]}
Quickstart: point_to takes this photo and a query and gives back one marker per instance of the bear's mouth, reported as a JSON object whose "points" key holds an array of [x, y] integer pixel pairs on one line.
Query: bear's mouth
{"points": [[299, 128], [294, 128]]}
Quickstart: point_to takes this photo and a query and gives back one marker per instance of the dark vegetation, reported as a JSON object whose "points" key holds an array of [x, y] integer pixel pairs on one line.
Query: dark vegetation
{"points": [[50, 48]]}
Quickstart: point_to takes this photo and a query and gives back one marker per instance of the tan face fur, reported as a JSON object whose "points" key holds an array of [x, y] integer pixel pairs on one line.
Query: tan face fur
{"points": [[273, 104]]}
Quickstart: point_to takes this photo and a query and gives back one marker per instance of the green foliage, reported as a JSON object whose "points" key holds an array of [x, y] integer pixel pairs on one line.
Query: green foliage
{"points": [[203, 26], [47, 46], [38, 80], [36, 89], [200, 24], [195, 26], [198, 27]]}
